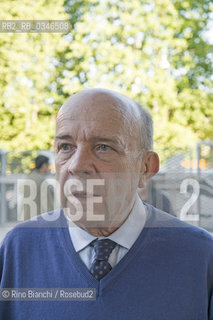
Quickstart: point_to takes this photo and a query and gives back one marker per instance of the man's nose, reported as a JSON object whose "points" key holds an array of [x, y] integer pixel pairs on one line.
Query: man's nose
{"points": [[82, 161]]}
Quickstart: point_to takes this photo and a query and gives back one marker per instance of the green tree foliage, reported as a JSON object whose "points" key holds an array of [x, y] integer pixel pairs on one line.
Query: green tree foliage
{"points": [[27, 115]]}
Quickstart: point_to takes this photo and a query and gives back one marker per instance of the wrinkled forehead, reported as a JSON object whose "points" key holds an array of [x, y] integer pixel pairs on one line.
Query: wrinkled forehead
{"points": [[99, 107]]}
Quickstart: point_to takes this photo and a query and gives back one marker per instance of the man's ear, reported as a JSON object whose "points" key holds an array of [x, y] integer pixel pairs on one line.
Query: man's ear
{"points": [[149, 167]]}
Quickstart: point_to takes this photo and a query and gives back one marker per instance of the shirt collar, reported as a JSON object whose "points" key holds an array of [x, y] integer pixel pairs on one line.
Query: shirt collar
{"points": [[125, 236]]}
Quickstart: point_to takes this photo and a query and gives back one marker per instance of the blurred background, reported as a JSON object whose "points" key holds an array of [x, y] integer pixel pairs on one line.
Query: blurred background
{"points": [[158, 52]]}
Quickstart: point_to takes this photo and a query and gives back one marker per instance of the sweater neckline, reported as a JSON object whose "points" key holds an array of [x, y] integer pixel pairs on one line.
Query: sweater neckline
{"points": [[141, 242]]}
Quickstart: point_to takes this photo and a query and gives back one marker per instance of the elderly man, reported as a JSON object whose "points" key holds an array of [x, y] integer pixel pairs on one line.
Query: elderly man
{"points": [[141, 263]]}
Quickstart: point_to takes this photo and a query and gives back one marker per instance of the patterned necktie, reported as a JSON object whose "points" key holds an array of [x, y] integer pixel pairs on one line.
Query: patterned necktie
{"points": [[100, 266]]}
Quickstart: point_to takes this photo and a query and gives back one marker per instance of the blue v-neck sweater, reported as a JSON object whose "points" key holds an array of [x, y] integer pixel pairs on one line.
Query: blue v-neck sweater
{"points": [[166, 275]]}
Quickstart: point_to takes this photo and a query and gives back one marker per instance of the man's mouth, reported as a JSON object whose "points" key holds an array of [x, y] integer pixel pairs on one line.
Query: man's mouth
{"points": [[84, 195]]}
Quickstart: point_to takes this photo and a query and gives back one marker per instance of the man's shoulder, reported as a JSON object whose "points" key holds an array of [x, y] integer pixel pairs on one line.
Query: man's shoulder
{"points": [[37, 176], [177, 230], [34, 228]]}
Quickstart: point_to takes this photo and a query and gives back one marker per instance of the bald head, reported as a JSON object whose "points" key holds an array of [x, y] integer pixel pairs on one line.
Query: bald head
{"points": [[136, 118]]}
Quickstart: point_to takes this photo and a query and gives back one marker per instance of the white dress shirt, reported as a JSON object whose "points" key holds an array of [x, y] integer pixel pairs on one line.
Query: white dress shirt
{"points": [[125, 236]]}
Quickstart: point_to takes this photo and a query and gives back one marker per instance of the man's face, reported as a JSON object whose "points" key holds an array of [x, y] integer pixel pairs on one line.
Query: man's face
{"points": [[98, 139], [45, 168]]}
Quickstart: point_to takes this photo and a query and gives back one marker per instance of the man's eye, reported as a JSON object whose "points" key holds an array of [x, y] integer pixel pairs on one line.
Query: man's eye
{"points": [[64, 147], [104, 147]]}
